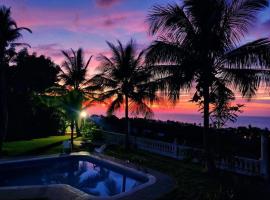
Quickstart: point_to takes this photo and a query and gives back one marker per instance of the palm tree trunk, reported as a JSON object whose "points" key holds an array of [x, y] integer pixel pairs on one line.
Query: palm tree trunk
{"points": [[3, 103], [78, 131], [127, 121], [209, 164], [72, 133]]}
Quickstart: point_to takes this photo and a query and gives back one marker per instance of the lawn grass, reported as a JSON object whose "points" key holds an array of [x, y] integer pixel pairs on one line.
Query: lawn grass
{"points": [[193, 183], [18, 148]]}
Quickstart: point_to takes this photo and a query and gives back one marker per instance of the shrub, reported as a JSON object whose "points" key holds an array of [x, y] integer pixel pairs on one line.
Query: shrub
{"points": [[92, 132]]}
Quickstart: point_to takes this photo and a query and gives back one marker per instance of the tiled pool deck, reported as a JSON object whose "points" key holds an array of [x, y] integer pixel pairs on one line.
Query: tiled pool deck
{"points": [[162, 185]]}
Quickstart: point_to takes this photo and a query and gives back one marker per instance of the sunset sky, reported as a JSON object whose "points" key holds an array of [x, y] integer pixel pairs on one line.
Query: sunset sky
{"points": [[63, 24]]}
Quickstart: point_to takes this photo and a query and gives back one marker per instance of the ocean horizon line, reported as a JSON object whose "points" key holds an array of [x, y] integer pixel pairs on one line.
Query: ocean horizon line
{"points": [[242, 120]]}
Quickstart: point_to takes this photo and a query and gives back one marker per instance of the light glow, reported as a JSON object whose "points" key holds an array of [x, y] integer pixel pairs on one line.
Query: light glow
{"points": [[83, 114]]}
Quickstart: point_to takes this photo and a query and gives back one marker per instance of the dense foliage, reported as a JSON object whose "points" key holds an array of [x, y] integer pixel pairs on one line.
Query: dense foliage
{"points": [[30, 74], [91, 131]]}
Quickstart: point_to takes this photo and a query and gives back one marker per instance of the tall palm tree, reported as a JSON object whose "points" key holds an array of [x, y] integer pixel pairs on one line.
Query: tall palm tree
{"points": [[123, 78], [73, 75], [199, 44], [9, 34], [73, 90]]}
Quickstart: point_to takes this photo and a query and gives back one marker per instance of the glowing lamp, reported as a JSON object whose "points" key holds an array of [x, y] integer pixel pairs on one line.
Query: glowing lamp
{"points": [[83, 114]]}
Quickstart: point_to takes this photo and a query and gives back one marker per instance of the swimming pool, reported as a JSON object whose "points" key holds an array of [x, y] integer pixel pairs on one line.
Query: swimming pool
{"points": [[95, 177]]}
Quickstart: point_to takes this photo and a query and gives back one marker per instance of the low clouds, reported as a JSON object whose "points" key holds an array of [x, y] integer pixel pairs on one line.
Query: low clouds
{"points": [[107, 3]]}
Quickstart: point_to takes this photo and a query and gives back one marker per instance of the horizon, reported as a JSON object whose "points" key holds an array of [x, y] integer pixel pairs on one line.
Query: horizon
{"points": [[61, 25]]}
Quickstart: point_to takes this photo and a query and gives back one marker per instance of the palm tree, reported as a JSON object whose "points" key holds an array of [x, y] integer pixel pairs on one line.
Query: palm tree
{"points": [[123, 78], [73, 75], [68, 104], [72, 93], [9, 33], [199, 44]]}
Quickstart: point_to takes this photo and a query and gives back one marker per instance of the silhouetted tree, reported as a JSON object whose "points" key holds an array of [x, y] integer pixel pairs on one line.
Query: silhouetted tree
{"points": [[123, 78], [71, 94], [9, 33], [74, 76], [28, 75], [198, 44]]}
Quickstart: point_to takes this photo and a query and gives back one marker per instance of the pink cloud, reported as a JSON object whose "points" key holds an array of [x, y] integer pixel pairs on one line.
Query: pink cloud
{"points": [[127, 22], [260, 30], [52, 51], [107, 3], [266, 25]]}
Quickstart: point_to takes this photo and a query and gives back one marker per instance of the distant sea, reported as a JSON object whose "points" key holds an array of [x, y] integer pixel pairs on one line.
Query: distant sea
{"points": [[254, 121]]}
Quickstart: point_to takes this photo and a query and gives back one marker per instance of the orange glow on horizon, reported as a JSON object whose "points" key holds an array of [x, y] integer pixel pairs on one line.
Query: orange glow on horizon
{"points": [[258, 106]]}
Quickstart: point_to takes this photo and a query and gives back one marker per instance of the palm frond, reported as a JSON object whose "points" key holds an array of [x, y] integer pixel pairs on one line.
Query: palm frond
{"points": [[252, 54], [165, 52], [88, 62], [69, 60], [115, 105], [103, 81], [139, 107], [247, 81], [24, 28], [170, 19], [241, 14], [116, 55], [15, 44]]}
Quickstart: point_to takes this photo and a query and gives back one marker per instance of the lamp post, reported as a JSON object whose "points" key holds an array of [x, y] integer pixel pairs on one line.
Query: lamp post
{"points": [[83, 115]]}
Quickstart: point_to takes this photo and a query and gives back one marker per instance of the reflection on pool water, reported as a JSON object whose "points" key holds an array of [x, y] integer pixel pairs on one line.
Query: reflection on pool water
{"points": [[80, 173]]}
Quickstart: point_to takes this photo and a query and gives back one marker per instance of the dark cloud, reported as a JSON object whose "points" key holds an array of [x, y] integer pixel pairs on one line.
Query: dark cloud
{"points": [[107, 3]]}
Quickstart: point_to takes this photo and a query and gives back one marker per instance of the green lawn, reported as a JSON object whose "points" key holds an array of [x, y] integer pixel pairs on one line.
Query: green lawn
{"points": [[193, 183], [18, 148]]}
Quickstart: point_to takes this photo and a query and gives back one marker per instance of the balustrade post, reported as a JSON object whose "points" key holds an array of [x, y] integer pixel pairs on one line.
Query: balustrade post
{"points": [[264, 156]]}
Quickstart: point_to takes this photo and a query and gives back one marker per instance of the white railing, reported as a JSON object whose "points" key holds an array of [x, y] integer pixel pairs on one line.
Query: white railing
{"points": [[113, 138], [162, 148], [240, 165], [235, 164]]}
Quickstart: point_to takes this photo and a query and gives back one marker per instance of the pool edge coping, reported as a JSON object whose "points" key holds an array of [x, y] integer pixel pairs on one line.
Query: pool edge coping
{"points": [[80, 194]]}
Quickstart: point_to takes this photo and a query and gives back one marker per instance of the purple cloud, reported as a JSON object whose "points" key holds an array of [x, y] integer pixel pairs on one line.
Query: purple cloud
{"points": [[106, 3], [261, 30], [112, 20], [52, 50], [266, 25]]}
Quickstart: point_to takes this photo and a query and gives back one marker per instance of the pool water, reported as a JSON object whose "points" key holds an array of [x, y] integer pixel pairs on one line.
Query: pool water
{"points": [[81, 173]]}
